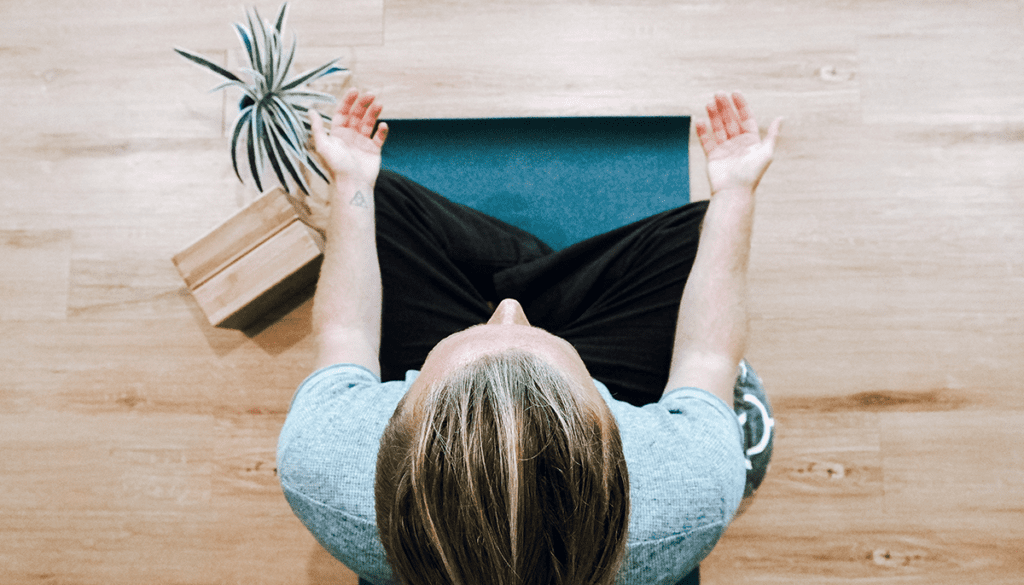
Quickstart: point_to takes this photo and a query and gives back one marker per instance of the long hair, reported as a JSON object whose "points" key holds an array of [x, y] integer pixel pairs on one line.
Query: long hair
{"points": [[502, 475]]}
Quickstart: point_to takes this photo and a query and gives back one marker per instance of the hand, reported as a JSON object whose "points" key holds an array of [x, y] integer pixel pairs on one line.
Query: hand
{"points": [[737, 156], [352, 149]]}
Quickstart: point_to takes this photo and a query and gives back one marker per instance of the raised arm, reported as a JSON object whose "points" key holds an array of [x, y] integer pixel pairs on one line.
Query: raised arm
{"points": [[711, 333], [347, 304]]}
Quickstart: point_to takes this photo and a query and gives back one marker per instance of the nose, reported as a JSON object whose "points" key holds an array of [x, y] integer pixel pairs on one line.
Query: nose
{"points": [[509, 312]]}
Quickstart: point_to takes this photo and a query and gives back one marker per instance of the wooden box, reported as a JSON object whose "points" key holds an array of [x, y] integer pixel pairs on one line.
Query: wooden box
{"points": [[251, 262]]}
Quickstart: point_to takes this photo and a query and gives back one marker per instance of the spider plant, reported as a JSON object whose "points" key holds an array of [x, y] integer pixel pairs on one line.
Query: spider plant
{"points": [[273, 121]]}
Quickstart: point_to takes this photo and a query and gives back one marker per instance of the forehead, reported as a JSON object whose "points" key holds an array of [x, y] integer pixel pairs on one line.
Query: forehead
{"points": [[467, 345], [459, 349]]}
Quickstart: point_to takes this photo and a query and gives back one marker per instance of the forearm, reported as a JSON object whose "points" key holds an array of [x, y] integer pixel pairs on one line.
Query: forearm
{"points": [[711, 332], [347, 304]]}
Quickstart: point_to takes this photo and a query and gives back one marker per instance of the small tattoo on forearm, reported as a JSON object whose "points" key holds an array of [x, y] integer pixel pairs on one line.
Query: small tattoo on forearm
{"points": [[360, 200]]}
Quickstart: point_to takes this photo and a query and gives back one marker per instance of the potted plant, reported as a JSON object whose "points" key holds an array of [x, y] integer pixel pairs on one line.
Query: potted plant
{"points": [[265, 251]]}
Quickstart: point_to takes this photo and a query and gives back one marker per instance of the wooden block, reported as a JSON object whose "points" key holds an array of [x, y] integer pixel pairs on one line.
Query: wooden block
{"points": [[249, 263], [234, 238]]}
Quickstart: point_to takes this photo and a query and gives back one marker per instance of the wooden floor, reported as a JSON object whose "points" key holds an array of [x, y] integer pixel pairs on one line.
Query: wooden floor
{"points": [[137, 442]]}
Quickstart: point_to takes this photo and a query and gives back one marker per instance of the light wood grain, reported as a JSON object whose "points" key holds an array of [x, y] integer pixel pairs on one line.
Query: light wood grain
{"points": [[245, 290], [887, 273]]}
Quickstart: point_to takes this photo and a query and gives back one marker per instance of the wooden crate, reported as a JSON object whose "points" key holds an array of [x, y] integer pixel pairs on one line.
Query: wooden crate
{"points": [[251, 262]]}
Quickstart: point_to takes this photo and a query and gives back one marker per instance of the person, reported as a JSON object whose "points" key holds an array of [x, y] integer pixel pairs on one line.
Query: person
{"points": [[485, 409]]}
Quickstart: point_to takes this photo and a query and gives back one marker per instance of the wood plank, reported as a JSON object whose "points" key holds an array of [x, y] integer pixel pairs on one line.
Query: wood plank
{"points": [[575, 58], [246, 490], [102, 189], [27, 377], [124, 498], [870, 549], [128, 286], [858, 497], [943, 63], [921, 279], [174, 365], [968, 464], [825, 466], [123, 28], [34, 274]]}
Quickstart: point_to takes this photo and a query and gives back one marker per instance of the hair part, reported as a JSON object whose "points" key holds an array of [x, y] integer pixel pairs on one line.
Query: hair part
{"points": [[501, 474]]}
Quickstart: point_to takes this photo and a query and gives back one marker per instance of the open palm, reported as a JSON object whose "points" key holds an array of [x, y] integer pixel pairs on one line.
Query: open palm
{"points": [[737, 155], [351, 150]]}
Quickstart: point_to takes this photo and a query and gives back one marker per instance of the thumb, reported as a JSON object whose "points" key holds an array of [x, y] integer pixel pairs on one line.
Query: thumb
{"points": [[317, 128], [773, 132]]}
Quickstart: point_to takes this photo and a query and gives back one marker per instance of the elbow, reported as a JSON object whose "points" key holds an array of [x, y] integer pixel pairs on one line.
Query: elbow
{"points": [[712, 371]]}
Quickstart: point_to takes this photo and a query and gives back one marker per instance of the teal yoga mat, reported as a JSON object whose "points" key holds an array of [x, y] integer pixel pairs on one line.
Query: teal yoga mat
{"points": [[562, 179]]}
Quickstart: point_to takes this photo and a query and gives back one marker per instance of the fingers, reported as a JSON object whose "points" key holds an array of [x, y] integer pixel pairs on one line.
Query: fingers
{"points": [[359, 110], [707, 139], [718, 131], [746, 118], [730, 118], [727, 112], [341, 116], [369, 119], [382, 134]]}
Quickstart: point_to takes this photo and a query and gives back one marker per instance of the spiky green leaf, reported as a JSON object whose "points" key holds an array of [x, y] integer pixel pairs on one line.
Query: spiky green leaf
{"points": [[272, 156], [208, 64], [317, 96], [257, 49], [270, 71], [291, 163], [305, 110], [278, 71], [287, 65], [243, 35], [261, 31], [325, 69], [243, 119], [295, 135], [312, 164], [287, 120], [259, 80], [251, 146], [280, 17], [261, 129], [241, 85]]}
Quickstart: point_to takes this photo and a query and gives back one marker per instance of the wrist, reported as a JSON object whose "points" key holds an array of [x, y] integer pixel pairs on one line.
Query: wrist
{"points": [[734, 193], [352, 179], [733, 201], [346, 187]]}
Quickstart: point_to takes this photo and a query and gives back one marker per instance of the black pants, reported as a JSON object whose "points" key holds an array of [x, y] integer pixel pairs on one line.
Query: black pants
{"points": [[615, 297]]}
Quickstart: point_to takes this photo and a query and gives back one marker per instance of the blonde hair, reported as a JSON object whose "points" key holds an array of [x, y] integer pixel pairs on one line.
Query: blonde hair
{"points": [[501, 474]]}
